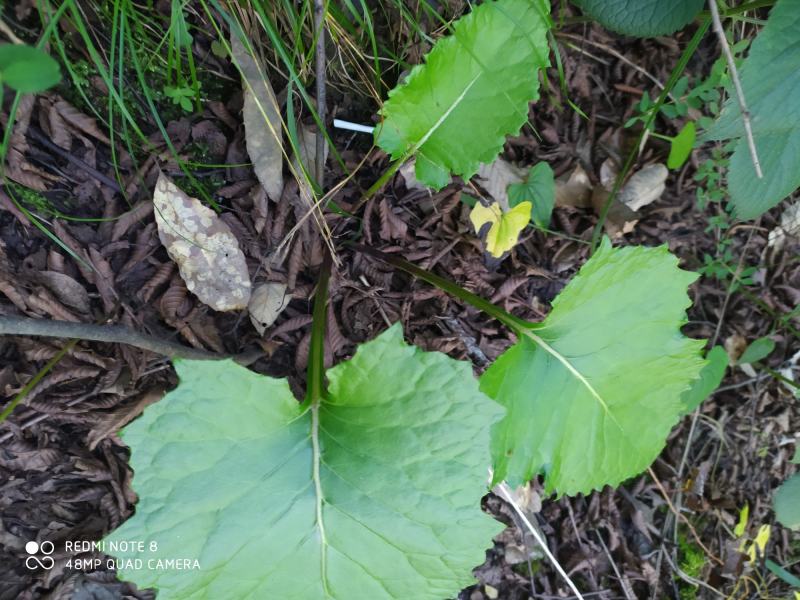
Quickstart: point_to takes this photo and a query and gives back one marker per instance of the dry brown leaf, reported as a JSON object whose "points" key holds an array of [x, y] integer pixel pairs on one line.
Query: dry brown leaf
{"points": [[65, 288], [644, 187], [407, 172], [80, 121], [497, 176], [262, 121], [789, 226], [620, 219], [115, 421], [576, 191], [308, 156], [203, 247], [267, 302]]}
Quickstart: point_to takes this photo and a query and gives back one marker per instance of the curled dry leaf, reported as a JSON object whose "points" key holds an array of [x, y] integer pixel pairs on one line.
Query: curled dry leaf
{"points": [[65, 288], [262, 120], [408, 174], [203, 247], [308, 156], [575, 191], [495, 178], [789, 226], [644, 187], [266, 303]]}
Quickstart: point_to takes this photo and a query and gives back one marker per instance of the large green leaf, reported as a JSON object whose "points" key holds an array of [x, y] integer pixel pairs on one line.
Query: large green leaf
{"points": [[456, 110], [771, 82], [594, 390], [374, 494], [643, 18], [787, 502]]}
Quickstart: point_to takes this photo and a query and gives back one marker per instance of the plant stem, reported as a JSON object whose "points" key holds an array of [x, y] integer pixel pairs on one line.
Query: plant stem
{"points": [[737, 86], [115, 334], [35, 380], [515, 323], [315, 374]]}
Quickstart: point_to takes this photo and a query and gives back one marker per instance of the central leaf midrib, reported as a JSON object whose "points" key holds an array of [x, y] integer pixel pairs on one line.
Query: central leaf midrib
{"points": [[572, 370], [319, 498]]}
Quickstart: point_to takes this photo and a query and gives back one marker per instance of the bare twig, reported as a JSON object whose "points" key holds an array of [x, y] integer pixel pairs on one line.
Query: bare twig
{"points": [[737, 86], [117, 334], [319, 27], [6, 30]]}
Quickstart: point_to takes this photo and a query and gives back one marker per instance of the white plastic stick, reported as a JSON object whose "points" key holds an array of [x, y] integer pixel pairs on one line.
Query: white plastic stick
{"points": [[338, 123], [504, 492]]}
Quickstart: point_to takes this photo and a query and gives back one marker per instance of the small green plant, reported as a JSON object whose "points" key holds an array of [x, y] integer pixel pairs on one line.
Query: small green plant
{"points": [[182, 96]]}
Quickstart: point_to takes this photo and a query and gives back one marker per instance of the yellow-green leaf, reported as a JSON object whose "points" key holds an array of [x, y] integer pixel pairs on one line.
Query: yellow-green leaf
{"points": [[505, 227]]}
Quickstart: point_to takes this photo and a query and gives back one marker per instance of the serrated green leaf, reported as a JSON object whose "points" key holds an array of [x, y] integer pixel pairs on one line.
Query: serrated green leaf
{"points": [[709, 380], [540, 189], [594, 390], [27, 69], [374, 494], [456, 110], [681, 146], [787, 502], [642, 18], [770, 78], [757, 350]]}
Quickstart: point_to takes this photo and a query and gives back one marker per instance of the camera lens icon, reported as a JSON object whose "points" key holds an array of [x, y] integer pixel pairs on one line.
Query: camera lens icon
{"points": [[45, 561]]}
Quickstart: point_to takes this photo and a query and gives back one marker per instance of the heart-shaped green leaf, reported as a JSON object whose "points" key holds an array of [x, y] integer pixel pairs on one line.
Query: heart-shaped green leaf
{"points": [[593, 391], [455, 111], [374, 493]]}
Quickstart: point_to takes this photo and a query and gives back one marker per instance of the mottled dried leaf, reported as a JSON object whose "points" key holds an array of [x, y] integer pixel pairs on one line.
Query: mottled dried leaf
{"points": [[203, 247], [266, 303], [262, 120]]}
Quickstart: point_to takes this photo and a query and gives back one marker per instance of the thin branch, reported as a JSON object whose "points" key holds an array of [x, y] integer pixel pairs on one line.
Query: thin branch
{"points": [[737, 86], [319, 26], [115, 334]]}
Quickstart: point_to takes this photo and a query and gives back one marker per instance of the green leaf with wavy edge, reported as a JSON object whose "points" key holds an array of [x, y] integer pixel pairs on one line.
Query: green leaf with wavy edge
{"points": [[540, 189], [710, 377], [642, 18], [787, 502], [593, 391], [770, 78], [757, 350], [374, 493], [456, 110]]}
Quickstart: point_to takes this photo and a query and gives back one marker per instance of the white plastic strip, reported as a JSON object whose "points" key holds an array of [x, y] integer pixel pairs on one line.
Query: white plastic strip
{"points": [[339, 124]]}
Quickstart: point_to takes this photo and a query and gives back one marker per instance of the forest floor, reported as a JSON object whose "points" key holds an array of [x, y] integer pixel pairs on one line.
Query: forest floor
{"points": [[64, 471]]}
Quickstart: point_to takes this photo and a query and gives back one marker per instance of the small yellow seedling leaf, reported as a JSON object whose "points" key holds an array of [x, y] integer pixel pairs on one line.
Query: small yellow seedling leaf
{"points": [[758, 546], [203, 246], [741, 526], [505, 227]]}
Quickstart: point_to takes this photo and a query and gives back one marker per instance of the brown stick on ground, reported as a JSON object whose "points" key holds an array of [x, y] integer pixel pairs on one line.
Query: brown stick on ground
{"points": [[117, 334], [737, 86]]}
